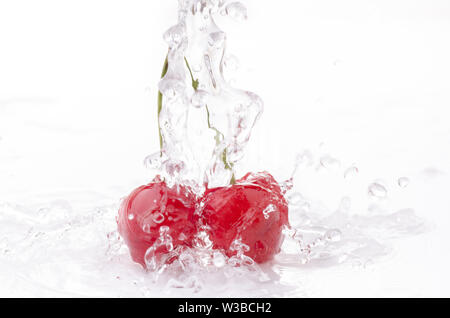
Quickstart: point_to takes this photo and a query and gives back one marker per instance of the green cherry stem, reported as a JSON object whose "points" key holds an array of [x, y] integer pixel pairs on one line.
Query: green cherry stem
{"points": [[160, 102]]}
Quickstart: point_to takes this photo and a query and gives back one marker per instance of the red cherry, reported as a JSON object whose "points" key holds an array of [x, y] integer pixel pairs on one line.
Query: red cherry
{"points": [[253, 210], [146, 212]]}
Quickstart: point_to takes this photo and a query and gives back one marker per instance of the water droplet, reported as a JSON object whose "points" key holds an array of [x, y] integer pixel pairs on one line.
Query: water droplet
{"points": [[146, 228], [151, 260], [304, 159], [153, 161], [247, 261], [295, 199], [130, 216], [219, 259], [169, 245], [182, 237], [175, 35], [403, 182], [287, 185], [351, 172], [268, 210], [333, 235], [163, 230], [236, 11], [377, 190], [238, 246]]}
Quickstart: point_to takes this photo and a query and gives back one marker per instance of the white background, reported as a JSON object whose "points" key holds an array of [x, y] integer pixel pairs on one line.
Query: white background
{"points": [[370, 79]]}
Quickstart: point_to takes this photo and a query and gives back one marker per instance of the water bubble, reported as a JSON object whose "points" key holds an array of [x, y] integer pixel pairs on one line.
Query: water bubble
{"points": [[236, 11], [247, 261], [158, 218], [351, 172], [238, 246], [403, 182], [377, 190]]}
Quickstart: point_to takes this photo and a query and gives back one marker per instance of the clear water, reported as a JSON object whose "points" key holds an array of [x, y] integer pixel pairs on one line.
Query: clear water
{"points": [[67, 247]]}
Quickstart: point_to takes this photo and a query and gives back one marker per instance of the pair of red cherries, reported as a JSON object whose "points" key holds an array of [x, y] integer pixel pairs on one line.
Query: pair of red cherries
{"points": [[253, 210]]}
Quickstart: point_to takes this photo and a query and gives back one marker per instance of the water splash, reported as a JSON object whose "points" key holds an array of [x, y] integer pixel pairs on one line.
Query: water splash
{"points": [[57, 249], [323, 236], [230, 113]]}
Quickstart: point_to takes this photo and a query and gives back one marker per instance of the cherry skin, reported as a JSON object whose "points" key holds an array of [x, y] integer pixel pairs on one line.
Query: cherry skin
{"points": [[254, 210], [148, 210]]}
